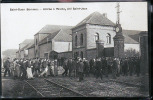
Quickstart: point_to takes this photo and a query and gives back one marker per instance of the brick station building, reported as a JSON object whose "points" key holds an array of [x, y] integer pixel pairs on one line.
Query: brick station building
{"points": [[56, 41], [97, 27]]}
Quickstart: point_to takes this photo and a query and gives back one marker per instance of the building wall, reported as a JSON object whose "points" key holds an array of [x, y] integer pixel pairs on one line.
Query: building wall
{"points": [[22, 54], [38, 38], [31, 53], [132, 46], [44, 48], [65, 55], [17, 55], [103, 33], [89, 32], [91, 53], [80, 47], [62, 46], [21, 45], [42, 36]]}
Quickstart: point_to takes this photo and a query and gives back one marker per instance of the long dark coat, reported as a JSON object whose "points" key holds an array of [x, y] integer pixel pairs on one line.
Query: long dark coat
{"points": [[7, 64], [80, 67]]}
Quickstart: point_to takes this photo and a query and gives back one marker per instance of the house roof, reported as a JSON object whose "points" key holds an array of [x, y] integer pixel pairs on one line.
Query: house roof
{"points": [[129, 40], [30, 45], [134, 34], [52, 28], [27, 41], [24, 47], [96, 18], [63, 35], [49, 37]]}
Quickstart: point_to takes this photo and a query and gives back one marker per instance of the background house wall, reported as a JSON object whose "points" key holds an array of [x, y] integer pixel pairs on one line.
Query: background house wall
{"points": [[80, 47], [43, 48], [31, 53], [62, 46], [103, 33], [22, 54], [132, 46]]}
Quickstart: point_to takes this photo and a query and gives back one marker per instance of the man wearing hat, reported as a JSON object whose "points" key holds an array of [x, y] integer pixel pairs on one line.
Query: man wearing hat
{"points": [[80, 69], [7, 67]]}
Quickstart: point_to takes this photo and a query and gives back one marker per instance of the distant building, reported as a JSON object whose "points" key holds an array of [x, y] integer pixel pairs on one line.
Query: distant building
{"points": [[96, 26], [56, 41], [31, 51], [22, 52], [51, 38]]}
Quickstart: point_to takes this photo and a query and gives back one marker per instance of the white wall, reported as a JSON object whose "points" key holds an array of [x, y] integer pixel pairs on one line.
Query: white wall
{"points": [[132, 46], [22, 54], [62, 46]]}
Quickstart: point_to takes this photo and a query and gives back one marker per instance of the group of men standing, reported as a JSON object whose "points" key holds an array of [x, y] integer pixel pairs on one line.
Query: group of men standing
{"points": [[30, 68], [101, 66]]}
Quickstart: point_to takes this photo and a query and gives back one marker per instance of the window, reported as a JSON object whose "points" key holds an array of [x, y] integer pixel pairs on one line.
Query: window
{"points": [[108, 38], [76, 39], [81, 39], [81, 54], [96, 36], [75, 54]]}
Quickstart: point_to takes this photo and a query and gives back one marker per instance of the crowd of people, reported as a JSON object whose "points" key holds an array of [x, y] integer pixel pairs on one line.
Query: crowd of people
{"points": [[78, 67]]}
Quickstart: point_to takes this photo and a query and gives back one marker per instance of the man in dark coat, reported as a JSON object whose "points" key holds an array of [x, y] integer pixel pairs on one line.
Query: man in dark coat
{"points": [[137, 66], [125, 67], [114, 69], [80, 69], [74, 64], [106, 67], [130, 66], [70, 67], [86, 67], [24, 70], [91, 62], [7, 67], [37, 67], [98, 68], [21, 66], [65, 68], [121, 66]]}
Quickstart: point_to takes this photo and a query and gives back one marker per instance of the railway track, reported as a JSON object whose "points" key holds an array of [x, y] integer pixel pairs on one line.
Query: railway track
{"points": [[47, 88]]}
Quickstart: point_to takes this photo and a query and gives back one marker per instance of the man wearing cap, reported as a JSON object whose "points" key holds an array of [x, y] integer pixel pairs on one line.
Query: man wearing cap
{"points": [[86, 67], [114, 69], [80, 69], [7, 66]]}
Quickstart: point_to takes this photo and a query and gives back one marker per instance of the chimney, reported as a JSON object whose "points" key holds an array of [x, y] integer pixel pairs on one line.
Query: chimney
{"points": [[105, 15]]}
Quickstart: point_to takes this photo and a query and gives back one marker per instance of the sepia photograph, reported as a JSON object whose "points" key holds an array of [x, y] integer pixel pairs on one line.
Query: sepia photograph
{"points": [[87, 49]]}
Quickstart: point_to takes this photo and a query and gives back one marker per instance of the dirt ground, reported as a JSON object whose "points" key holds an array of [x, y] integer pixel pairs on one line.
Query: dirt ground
{"points": [[90, 86]]}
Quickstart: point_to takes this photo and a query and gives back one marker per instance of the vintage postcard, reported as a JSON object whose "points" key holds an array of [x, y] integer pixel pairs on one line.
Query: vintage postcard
{"points": [[87, 49]]}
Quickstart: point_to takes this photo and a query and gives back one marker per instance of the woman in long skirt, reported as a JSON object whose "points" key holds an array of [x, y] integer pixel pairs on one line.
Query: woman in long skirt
{"points": [[17, 69], [29, 70], [49, 68]]}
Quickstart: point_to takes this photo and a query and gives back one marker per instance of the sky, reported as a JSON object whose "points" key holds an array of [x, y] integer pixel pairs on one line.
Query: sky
{"points": [[17, 25]]}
